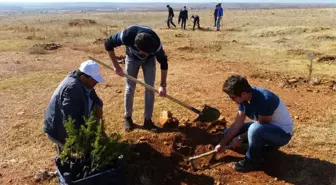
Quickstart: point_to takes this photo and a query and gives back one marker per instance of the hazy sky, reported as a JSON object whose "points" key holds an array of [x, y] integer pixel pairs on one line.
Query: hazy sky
{"points": [[183, 1]]}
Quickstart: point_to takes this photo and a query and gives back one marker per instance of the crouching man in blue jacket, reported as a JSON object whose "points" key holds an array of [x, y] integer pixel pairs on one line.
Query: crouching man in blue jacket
{"points": [[75, 97]]}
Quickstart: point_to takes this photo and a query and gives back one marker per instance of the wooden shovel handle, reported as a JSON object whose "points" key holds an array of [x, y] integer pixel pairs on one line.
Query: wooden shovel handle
{"points": [[150, 87], [206, 154]]}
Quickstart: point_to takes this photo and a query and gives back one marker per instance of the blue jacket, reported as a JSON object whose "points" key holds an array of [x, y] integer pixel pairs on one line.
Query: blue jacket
{"points": [[220, 12], [127, 38], [69, 99]]}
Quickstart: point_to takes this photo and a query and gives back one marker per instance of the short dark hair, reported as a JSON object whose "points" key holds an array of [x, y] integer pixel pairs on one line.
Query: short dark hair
{"points": [[145, 42], [236, 85], [80, 73]]}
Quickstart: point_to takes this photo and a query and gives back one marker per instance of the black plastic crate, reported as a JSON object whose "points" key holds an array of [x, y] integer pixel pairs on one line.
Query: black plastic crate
{"points": [[111, 176]]}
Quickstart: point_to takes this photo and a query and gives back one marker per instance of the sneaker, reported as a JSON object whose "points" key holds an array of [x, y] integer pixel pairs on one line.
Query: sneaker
{"points": [[129, 125], [149, 125], [245, 165]]}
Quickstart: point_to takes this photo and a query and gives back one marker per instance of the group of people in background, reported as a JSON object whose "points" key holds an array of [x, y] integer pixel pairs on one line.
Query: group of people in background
{"points": [[183, 17]]}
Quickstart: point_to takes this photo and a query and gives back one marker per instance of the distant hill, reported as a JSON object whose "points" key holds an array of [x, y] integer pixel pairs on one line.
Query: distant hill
{"points": [[104, 6]]}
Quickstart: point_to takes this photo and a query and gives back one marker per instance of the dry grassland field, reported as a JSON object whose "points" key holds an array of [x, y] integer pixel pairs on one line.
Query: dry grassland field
{"points": [[269, 47]]}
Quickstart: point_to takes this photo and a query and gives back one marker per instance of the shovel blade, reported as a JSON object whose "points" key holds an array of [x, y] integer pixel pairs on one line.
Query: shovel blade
{"points": [[209, 114]]}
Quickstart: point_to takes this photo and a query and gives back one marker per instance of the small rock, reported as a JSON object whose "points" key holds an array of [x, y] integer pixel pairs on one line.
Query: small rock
{"points": [[296, 117], [309, 90], [317, 91], [166, 143], [142, 138], [334, 86], [20, 113], [10, 180], [118, 91], [13, 161], [41, 175], [218, 183], [293, 80], [315, 81], [276, 179]]}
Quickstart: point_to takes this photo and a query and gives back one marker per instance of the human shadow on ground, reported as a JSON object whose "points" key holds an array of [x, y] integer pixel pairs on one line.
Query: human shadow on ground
{"points": [[149, 167], [297, 169]]}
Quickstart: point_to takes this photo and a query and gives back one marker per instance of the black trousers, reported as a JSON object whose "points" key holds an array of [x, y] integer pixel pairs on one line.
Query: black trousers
{"points": [[196, 21], [170, 21], [184, 22]]}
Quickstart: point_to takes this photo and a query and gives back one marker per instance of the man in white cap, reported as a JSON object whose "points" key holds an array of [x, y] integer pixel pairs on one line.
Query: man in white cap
{"points": [[75, 97]]}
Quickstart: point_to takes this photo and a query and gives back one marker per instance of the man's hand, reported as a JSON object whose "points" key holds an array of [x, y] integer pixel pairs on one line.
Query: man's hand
{"points": [[219, 148], [99, 111], [236, 142], [162, 91], [119, 71]]}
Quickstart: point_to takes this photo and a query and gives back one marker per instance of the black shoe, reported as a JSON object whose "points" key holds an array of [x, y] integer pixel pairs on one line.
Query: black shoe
{"points": [[245, 165], [129, 125], [149, 125]]}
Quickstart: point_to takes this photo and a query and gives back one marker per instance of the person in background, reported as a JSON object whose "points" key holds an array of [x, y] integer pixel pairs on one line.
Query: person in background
{"points": [[170, 16], [215, 14], [74, 97], [196, 21], [183, 17], [219, 16]]}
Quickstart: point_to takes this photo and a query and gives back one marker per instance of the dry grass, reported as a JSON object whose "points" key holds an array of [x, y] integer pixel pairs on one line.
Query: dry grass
{"points": [[255, 43]]}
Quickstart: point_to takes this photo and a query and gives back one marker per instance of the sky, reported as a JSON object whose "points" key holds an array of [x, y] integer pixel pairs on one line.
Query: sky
{"points": [[181, 1]]}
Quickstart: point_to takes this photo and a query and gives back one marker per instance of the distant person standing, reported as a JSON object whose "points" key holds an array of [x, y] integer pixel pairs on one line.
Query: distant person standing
{"points": [[196, 21], [215, 14], [183, 17], [219, 16], [170, 16]]}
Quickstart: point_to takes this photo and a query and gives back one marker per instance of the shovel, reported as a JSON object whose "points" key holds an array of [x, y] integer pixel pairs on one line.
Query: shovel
{"points": [[212, 152], [207, 114]]}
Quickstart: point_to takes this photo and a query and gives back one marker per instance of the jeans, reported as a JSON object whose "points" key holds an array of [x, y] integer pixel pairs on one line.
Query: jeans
{"points": [[132, 69], [262, 138], [218, 23]]}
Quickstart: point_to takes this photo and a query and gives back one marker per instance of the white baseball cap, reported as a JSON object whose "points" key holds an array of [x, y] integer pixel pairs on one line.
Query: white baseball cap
{"points": [[91, 68]]}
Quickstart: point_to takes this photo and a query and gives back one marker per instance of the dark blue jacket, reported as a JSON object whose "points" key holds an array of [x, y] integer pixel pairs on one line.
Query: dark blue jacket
{"points": [[127, 38], [220, 12], [69, 99]]}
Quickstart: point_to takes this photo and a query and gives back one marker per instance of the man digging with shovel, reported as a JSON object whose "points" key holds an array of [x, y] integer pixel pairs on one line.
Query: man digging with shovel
{"points": [[142, 46], [272, 126]]}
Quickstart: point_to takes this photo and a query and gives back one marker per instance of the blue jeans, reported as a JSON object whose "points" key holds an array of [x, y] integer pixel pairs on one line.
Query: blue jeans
{"points": [[218, 25], [132, 69], [262, 138]]}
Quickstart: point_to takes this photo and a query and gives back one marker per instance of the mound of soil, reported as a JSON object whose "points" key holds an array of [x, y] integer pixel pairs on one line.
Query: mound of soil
{"points": [[327, 59], [163, 158], [49, 46], [82, 22], [99, 41]]}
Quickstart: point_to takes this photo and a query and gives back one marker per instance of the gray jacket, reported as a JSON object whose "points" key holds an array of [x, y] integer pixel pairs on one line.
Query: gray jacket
{"points": [[69, 99]]}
